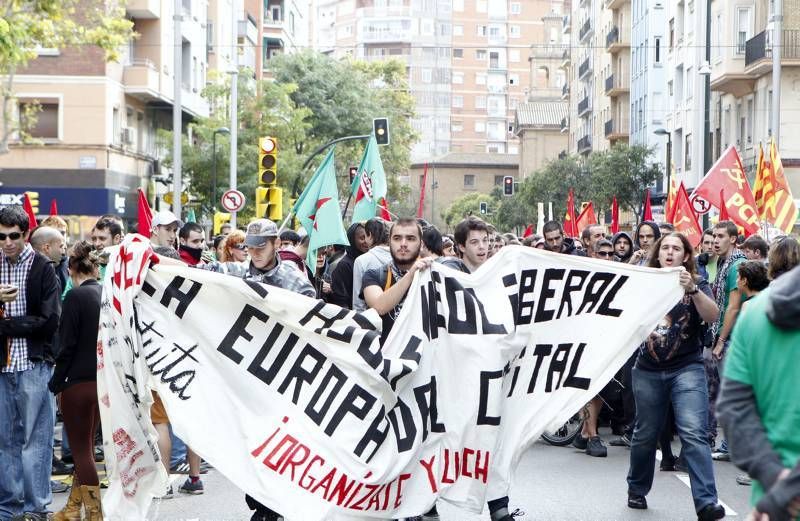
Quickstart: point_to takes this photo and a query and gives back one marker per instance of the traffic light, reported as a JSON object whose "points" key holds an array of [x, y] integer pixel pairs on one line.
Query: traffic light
{"points": [[267, 161], [353, 173], [220, 218], [275, 202], [381, 128], [262, 201], [33, 197], [484, 207], [508, 185]]}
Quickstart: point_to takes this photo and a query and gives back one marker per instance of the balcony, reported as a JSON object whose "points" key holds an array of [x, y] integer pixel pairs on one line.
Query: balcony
{"points": [[565, 91], [140, 80], [584, 68], [616, 4], [564, 125], [143, 9], [585, 145], [615, 86], [566, 26], [584, 107], [614, 41], [583, 3], [758, 52], [565, 59], [586, 30], [614, 131]]}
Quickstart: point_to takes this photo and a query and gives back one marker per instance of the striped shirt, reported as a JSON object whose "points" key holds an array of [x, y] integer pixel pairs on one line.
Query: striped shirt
{"points": [[17, 274]]}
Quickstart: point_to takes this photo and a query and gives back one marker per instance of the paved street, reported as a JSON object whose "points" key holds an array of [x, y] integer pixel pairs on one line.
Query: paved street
{"points": [[552, 483]]}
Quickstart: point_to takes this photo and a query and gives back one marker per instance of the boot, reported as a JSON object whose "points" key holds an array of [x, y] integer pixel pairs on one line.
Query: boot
{"points": [[91, 503], [72, 510]]}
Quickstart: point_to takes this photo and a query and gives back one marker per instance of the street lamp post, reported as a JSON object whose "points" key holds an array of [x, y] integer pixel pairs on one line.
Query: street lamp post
{"points": [[665, 132], [220, 130]]}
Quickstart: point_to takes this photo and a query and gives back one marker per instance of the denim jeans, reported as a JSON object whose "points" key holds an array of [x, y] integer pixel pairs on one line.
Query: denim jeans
{"points": [[178, 454], [687, 390], [26, 441]]}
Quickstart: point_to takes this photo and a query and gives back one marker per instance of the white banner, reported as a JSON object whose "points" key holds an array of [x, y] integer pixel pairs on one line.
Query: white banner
{"points": [[295, 401]]}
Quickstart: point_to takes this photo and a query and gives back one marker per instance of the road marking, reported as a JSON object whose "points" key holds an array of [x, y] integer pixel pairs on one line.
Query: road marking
{"points": [[685, 478]]}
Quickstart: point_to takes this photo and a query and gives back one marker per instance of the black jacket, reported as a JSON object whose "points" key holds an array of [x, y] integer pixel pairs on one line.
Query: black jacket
{"points": [[342, 276], [77, 360], [568, 247], [43, 301]]}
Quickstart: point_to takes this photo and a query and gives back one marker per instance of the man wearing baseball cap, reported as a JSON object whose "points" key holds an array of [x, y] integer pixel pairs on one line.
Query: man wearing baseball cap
{"points": [[165, 229]]}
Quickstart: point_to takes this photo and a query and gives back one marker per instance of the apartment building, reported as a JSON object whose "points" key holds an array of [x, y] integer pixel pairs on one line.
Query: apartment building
{"points": [[283, 25], [98, 121], [741, 79], [615, 39]]}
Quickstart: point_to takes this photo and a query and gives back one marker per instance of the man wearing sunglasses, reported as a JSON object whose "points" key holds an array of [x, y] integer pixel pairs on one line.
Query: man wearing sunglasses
{"points": [[29, 296]]}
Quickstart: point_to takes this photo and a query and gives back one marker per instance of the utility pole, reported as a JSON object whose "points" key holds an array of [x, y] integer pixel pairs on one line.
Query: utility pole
{"points": [[177, 157], [777, 51], [234, 101]]}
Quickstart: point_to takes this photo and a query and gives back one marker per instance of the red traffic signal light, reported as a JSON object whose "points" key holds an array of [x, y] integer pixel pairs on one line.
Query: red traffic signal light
{"points": [[508, 185]]}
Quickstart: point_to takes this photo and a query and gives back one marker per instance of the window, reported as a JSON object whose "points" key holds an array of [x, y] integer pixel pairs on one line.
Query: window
{"points": [[513, 55], [426, 75], [516, 8], [657, 57], [688, 153], [743, 27], [458, 101], [291, 23], [480, 127], [469, 181], [480, 102], [689, 83], [513, 31], [458, 53], [494, 32], [716, 50], [39, 118], [456, 126], [480, 54], [672, 33], [750, 122], [510, 128], [494, 60], [458, 78], [458, 30], [480, 78], [498, 180]]}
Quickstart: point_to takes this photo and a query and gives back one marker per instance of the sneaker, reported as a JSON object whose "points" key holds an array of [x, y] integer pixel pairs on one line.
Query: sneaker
{"points": [[622, 441], [711, 512], [580, 442], [596, 448], [57, 487], [190, 487], [169, 494], [680, 465], [504, 515], [744, 479], [637, 502], [721, 456], [60, 468], [668, 465], [431, 515]]}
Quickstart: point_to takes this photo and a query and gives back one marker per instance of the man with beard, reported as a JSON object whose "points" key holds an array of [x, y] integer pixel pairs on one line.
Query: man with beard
{"points": [[623, 246], [555, 241], [647, 233]]}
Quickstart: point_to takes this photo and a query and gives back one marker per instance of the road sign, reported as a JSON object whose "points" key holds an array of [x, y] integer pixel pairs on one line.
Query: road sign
{"points": [[233, 200], [700, 205]]}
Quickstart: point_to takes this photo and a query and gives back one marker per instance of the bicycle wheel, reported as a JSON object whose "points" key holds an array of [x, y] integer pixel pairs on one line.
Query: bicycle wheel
{"points": [[566, 433]]}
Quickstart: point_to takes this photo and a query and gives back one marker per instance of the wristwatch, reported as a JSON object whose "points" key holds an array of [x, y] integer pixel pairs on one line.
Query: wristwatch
{"points": [[695, 291]]}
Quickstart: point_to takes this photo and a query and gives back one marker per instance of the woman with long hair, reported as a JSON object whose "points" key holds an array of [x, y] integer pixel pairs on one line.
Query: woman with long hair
{"points": [[669, 370], [233, 248], [75, 379]]}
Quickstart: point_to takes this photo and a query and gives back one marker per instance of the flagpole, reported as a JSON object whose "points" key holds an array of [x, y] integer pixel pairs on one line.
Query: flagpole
{"points": [[283, 224], [347, 203]]}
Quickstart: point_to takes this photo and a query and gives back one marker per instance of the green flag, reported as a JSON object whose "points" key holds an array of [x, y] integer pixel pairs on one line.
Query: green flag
{"points": [[318, 209], [369, 185], [190, 218]]}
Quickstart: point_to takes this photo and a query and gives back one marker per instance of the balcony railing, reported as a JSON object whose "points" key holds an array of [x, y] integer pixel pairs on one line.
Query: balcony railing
{"points": [[565, 91], [613, 36], [583, 106], [756, 48], [586, 28], [566, 23], [564, 124], [584, 68], [584, 144], [609, 82]]}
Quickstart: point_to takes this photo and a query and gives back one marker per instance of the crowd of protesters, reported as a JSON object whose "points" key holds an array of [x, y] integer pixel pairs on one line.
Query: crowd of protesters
{"points": [[741, 300]]}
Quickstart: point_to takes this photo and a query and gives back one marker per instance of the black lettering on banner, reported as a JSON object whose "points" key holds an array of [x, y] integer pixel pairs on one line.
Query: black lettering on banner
{"points": [[148, 289], [173, 292], [487, 327], [527, 281], [432, 320], [558, 364], [454, 325], [258, 288], [428, 407], [404, 442], [327, 321], [351, 405], [539, 352], [483, 403], [239, 330], [605, 307], [591, 297], [550, 274], [268, 375], [372, 358], [569, 288], [509, 281], [376, 433], [300, 374], [577, 381], [345, 336], [334, 373], [410, 352]]}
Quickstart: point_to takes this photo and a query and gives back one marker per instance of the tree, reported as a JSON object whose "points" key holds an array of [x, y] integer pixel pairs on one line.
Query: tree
{"points": [[623, 171], [462, 207], [28, 25]]}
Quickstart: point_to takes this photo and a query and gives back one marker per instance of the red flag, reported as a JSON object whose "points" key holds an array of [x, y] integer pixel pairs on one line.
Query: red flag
{"points": [[145, 215], [671, 194], [528, 231], [26, 205], [684, 219], [422, 192], [586, 218], [647, 210], [614, 216], [53, 207], [728, 174], [723, 208], [383, 210], [570, 228]]}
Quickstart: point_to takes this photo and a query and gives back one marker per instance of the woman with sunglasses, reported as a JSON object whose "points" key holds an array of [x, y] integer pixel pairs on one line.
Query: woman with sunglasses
{"points": [[233, 247], [669, 370]]}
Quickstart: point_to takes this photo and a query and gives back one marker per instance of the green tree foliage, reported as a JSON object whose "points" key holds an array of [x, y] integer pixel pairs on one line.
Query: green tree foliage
{"points": [[26, 25], [465, 206]]}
